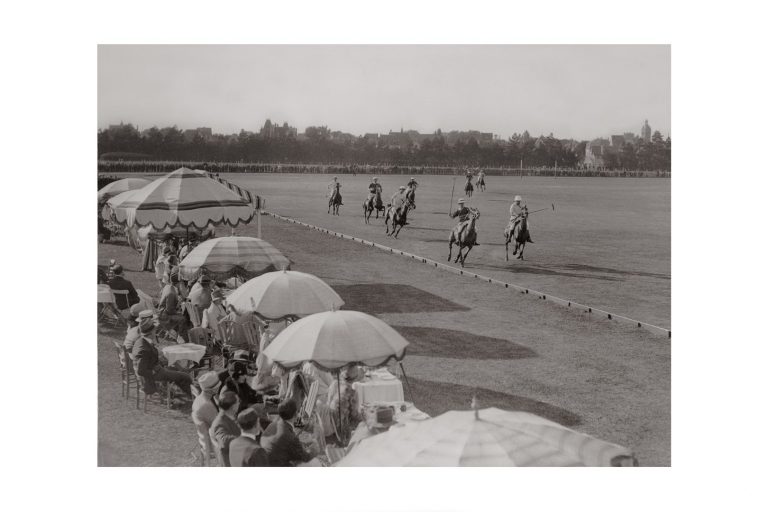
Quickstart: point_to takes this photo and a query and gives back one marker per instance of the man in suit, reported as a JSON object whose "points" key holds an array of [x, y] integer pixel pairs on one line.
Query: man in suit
{"points": [[280, 440], [204, 411], [146, 361], [200, 294], [224, 428], [245, 451], [118, 282]]}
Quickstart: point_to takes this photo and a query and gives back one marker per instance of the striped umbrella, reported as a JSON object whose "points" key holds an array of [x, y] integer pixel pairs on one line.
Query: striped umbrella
{"points": [[229, 256], [119, 186], [287, 293], [184, 198], [488, 437]]}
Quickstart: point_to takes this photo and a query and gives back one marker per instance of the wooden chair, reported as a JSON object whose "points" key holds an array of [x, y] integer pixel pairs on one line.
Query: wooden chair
{"points": [[194, 313], [127, 377], [203, 336], [140, 385], [233, 337], [123, 314]]}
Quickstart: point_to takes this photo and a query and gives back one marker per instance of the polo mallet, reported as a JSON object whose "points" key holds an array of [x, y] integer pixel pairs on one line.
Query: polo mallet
{"points": [[452, 189], [542, 209]]}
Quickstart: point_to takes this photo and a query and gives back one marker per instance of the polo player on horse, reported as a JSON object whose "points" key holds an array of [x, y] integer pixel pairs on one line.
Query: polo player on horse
{"points": [[335, 186], [398, 200], [516, 215], [462, 212], [374, 192]]}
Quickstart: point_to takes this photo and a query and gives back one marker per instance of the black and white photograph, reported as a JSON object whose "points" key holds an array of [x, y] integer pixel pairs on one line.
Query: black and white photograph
{"points": [[393, 257], [384, 255]]}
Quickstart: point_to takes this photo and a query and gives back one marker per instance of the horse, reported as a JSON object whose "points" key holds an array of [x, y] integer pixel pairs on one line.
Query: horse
{"points": [[334, 202], [468, 188], [481, 183], [398, 221], [467, 239], [519, 234]]}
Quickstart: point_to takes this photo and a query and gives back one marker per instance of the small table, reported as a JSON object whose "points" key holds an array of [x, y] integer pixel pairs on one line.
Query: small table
{"points": [[380, 386], [184, 352], [104, 294]]}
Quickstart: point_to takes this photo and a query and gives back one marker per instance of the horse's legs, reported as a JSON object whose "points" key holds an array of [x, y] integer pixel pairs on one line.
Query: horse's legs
{"points": [[450, 247], [464, 258], [506, 246], [522, 248]]}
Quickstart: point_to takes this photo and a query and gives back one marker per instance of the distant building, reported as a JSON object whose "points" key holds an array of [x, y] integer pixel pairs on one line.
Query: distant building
{"points": [[594, 153], [645, 132], [275, 131], [617, 141], [205, 133]]}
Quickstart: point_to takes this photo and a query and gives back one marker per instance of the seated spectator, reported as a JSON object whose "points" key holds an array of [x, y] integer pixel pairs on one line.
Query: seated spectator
{"points": [[204, 410], [118, 282], [214, 313], [147, 363], [191, 244], [224, 428], [234, 379], [200, 294], [345, 401], [280, 441], [134, 333], [169, 308], [245, 451]]}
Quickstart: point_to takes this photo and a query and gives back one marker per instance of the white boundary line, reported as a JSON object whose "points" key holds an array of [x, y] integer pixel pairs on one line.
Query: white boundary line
{"points": [[522, 289]]}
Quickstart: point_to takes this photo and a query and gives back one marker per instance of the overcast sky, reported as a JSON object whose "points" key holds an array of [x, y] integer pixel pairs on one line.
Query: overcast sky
{"points": [[573, 91]]}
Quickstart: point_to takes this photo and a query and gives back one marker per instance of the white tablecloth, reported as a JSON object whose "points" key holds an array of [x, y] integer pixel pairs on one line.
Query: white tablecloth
{"points": [[381, 386], [184, 352], [104, 294]]}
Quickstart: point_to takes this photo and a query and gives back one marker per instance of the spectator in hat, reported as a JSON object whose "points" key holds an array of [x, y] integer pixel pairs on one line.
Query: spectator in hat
{"points": [[188, 247], [214, 313], [204, 410], [234, 379], [379, 421], [280, 441], [147, 363], [169, 308], [344, 401], [118, 282], [134, 333], [224, 428], [246, 451], [200, 295]]}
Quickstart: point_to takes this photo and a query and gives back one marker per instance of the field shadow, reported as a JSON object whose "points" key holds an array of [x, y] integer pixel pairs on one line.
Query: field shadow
{"points": [[435, 398], [605, 270], [429, 229], [430, 341], [522, 268], [378, 298]]}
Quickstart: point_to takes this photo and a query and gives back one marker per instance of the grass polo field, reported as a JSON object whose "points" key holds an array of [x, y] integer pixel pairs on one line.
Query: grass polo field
{"points": [[607, 245]]}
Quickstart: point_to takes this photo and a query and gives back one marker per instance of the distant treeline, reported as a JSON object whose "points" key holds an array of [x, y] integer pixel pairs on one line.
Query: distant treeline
{"points": [[163, 167], [125, 142]]}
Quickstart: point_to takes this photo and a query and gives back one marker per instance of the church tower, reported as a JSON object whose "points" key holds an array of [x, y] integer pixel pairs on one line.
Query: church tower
{"points": [[645, 132]]}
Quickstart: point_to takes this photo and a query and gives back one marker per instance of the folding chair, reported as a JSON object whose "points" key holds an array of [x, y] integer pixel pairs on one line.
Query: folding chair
{"points": [[140, 385]]}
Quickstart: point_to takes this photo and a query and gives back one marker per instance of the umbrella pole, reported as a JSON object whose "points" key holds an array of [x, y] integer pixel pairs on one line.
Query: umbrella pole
{"points": [[407, 384]]}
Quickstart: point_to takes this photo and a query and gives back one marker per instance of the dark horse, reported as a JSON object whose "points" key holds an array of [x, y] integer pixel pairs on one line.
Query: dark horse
{"points": [[519, 234], [398, 220], [481, 183], [466, 240], [468, 188], [372, 203], [334, 202]]}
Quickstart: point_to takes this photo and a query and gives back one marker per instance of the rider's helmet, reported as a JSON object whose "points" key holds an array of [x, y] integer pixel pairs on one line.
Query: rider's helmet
{"points": [[375, 179], [461, 201], [518, 198], [335, 177], [402, 187]]}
